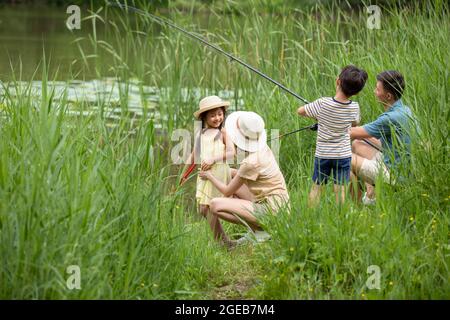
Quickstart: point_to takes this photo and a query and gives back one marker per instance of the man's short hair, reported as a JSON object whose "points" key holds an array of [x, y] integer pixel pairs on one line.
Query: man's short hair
{"points": [[393, 82], [352, 79]]}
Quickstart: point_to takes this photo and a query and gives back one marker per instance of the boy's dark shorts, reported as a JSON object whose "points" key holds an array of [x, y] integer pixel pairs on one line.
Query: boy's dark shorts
{"points": [[337, 169]]}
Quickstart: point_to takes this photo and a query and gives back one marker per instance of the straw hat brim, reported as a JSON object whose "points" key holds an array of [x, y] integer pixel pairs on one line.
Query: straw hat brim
{"points": [[224, 104], [239, 139]]}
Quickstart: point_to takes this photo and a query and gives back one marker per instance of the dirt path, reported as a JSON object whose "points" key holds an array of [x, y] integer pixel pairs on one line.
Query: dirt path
{"points": [[241, 276]]}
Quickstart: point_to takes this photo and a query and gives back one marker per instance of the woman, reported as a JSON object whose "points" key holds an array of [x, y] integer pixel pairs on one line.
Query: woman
{"points": [[258, 185]]}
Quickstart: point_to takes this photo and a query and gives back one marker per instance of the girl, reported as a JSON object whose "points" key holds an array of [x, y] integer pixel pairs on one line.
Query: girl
{"points": [[212, 147]]}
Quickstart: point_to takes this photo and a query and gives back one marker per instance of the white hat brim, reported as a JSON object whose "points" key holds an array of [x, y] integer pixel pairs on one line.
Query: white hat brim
{"points": [[224, 104], [239, 139]]}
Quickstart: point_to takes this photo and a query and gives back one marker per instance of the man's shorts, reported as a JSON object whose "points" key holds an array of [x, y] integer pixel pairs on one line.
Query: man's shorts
{"points": [[336, 169], [370, 169]]}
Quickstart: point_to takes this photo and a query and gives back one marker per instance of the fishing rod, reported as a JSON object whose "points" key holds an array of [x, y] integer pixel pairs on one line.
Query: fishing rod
{"points": [[187, 173], [373, 145], [167, 22], [191, 167], [163, 21], [312, 127]]}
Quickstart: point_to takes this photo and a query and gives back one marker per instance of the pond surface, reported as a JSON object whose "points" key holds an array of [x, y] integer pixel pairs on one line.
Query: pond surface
{"points": [[114, 97], [26, 33]]}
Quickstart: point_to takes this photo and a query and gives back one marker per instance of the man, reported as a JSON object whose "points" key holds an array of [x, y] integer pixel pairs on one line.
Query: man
{"points": [[390, 132]]}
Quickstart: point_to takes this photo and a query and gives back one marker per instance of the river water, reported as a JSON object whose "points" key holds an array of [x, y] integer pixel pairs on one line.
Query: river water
{"points": [[26, 33]]}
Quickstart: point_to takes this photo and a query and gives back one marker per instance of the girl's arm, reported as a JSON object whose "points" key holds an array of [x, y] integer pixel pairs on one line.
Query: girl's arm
{"points": [[227, 190], [229, 153], [230, 150]]}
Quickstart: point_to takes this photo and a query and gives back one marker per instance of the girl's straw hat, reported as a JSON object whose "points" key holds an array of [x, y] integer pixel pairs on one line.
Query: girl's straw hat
{"points": [[246, 130], [210, 103]]}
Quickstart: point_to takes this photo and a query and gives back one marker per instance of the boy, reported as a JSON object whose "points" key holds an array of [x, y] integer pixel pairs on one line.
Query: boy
{"points": [[335, 117]]}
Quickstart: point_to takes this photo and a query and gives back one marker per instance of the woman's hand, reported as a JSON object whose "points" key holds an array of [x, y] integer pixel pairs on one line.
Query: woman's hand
{"points": [[204, 175], [207, 164]]}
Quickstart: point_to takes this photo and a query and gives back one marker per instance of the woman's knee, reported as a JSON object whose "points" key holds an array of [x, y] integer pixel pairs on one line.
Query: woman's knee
{"points": [[214, 205], [220, 205]]}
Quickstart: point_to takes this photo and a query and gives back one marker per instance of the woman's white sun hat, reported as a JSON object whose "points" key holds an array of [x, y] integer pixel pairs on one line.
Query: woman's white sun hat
{"points": [[246, 130], [209, 103]]}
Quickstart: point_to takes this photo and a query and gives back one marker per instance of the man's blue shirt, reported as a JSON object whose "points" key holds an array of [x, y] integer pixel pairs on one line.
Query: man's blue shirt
{"points": [[393, 129]]}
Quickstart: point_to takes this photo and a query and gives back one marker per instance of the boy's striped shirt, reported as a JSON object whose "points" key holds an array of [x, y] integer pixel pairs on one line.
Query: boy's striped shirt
{"points": [[335, 119]]}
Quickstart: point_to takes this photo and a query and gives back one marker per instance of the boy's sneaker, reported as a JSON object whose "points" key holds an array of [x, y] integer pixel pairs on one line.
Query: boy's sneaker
{"points": [[368, 201]]}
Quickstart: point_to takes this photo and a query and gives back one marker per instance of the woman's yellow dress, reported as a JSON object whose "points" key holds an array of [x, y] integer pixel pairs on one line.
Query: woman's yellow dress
{"points": [[212, 147]]}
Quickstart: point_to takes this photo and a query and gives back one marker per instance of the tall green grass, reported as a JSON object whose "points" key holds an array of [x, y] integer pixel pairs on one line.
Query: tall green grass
{"points": [[74, 192], [103, 199]]}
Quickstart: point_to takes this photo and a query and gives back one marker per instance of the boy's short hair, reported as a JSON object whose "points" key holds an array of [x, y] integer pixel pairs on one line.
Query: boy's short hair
{"points": [[352, 79], [393, 82]]}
